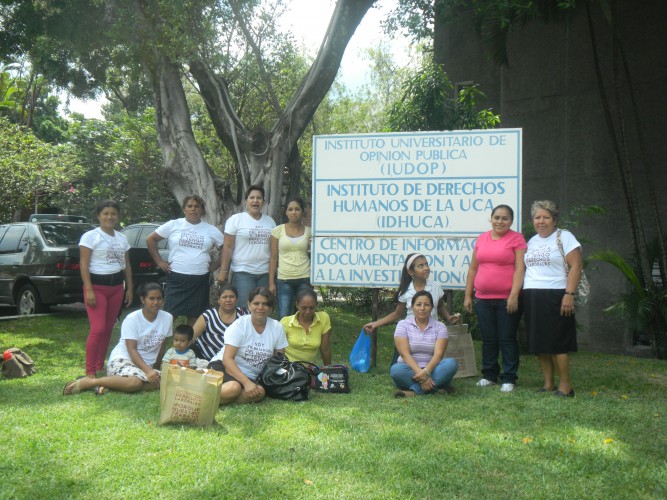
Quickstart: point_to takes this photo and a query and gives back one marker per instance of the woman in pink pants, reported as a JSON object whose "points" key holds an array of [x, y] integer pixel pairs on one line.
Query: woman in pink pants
{"points": [[107, 278]]}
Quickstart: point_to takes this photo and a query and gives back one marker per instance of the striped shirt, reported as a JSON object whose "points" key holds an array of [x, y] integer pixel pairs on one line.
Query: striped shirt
{"points": [[422, 344], [211, 341]]}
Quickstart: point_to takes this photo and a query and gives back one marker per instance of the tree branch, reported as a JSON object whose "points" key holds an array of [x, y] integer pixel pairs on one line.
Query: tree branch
{"points": [[229, 127], [317, 82], [271, 96]]}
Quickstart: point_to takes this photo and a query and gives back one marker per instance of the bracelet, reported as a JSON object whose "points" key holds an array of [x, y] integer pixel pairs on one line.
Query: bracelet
{"points": [[224, 271], [570, 293], [427, 372]]}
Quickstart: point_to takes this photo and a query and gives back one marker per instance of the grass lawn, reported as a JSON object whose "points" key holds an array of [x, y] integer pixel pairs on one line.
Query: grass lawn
{"points": [[608, 442]]}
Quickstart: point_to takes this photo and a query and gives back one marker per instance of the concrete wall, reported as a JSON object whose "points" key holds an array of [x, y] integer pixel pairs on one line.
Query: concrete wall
{"points": [[550, 91]]}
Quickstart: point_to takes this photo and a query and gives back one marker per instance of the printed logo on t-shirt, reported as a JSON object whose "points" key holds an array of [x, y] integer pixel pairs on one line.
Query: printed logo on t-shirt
{"points": [[259, 235], [151, 340], [115, 254], [191, 239], [255, 355], [539, 256]]}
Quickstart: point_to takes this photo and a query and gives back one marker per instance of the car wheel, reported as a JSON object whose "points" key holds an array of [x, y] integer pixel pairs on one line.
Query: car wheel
{"points": [[28, 301]]}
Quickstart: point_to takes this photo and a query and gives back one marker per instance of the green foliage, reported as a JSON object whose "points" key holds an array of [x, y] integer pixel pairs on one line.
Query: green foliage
{"points": [[358, 298], [492, 19], [10, 106], [427, 104], [47, 122], [469, 319], [118, 158], [415, 17], [44, 34], [26, 99], [609, 440], [122, 161], [644, 307], [120, 48], [571, 220], [30, 167]]}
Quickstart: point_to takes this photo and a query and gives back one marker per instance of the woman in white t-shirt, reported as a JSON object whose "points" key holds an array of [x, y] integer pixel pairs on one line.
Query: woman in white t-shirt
{"points": [[548, 292], [249, 344], [107, 277], [246, 251], [191, 241], [133, 362]]}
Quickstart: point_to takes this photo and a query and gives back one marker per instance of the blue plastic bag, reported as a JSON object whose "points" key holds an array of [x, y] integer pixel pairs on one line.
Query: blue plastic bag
{"points": [[360, 357]]}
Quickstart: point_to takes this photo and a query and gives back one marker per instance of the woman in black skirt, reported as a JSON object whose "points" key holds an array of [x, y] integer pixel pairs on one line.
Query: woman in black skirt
{"points": [[549, 291], [190, 243]]}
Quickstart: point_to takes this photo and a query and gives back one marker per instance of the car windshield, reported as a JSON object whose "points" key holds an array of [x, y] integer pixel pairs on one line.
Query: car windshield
{"points": [[63, 233]]}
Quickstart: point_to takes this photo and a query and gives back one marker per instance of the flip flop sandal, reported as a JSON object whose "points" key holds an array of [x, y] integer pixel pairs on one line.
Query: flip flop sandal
{"points": [[75, 385]]}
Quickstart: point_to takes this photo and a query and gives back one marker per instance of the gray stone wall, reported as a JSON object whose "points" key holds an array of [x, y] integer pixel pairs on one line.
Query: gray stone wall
{"points": [[550, 91]]}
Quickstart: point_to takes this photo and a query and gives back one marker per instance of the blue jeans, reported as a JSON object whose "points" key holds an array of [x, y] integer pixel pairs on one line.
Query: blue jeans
{"points": [[245, 282], [498, 329], [442, 375], [287, 291]]}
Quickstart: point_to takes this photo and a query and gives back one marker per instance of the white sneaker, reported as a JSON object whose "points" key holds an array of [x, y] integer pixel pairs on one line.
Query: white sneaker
{"points": [[484, 382], [507, 387]]}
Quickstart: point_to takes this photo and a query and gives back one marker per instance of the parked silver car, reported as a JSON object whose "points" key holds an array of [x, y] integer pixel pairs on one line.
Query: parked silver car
{"points": [[39, 264]]}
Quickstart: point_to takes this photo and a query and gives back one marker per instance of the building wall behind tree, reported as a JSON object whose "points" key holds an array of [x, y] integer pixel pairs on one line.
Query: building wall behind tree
{"points": [[550, 90]]}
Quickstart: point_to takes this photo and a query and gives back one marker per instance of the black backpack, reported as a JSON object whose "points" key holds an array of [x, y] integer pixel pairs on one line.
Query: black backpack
{"points": [[283, 379], [17, 364]]}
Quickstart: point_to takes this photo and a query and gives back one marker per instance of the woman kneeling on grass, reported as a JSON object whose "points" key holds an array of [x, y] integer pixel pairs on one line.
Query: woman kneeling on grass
{"points": [[249, 344], [421, 342], [132, 363]]}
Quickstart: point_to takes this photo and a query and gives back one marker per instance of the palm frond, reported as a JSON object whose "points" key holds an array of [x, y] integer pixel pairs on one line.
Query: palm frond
{"points": [[615, 259]]}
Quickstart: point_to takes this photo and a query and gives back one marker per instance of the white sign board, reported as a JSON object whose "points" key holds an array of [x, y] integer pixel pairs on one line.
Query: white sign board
{"points": [[379, 197]]}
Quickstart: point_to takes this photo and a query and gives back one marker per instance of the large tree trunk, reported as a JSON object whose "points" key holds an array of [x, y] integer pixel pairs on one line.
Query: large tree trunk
{"points": [[186, 169], [263, 155]]}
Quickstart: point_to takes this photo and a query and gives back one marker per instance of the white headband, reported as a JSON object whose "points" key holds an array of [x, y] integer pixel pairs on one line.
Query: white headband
{"points": [[412, 259]]}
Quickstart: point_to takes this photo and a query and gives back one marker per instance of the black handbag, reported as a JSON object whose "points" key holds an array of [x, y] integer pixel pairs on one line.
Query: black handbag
{"points": [[332, 379], [283, 379]]}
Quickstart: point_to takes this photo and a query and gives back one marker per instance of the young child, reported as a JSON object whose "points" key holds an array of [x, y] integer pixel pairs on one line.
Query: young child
{"points": [[181, 354]]}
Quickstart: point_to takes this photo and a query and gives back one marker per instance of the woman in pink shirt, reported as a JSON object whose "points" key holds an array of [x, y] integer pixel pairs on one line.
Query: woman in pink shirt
{"points": [[496, 275]]}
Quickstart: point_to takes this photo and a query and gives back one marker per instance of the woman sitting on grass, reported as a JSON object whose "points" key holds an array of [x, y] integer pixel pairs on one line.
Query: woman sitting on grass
{"points": [[415, 277], [421, 342], [249, 344], [210, 327], [132, 363], [308, 331]]}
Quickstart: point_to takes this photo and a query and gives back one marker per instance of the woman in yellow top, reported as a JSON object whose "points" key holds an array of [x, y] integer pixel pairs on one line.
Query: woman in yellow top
{"points": [[290, 255], [308, 331]]}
